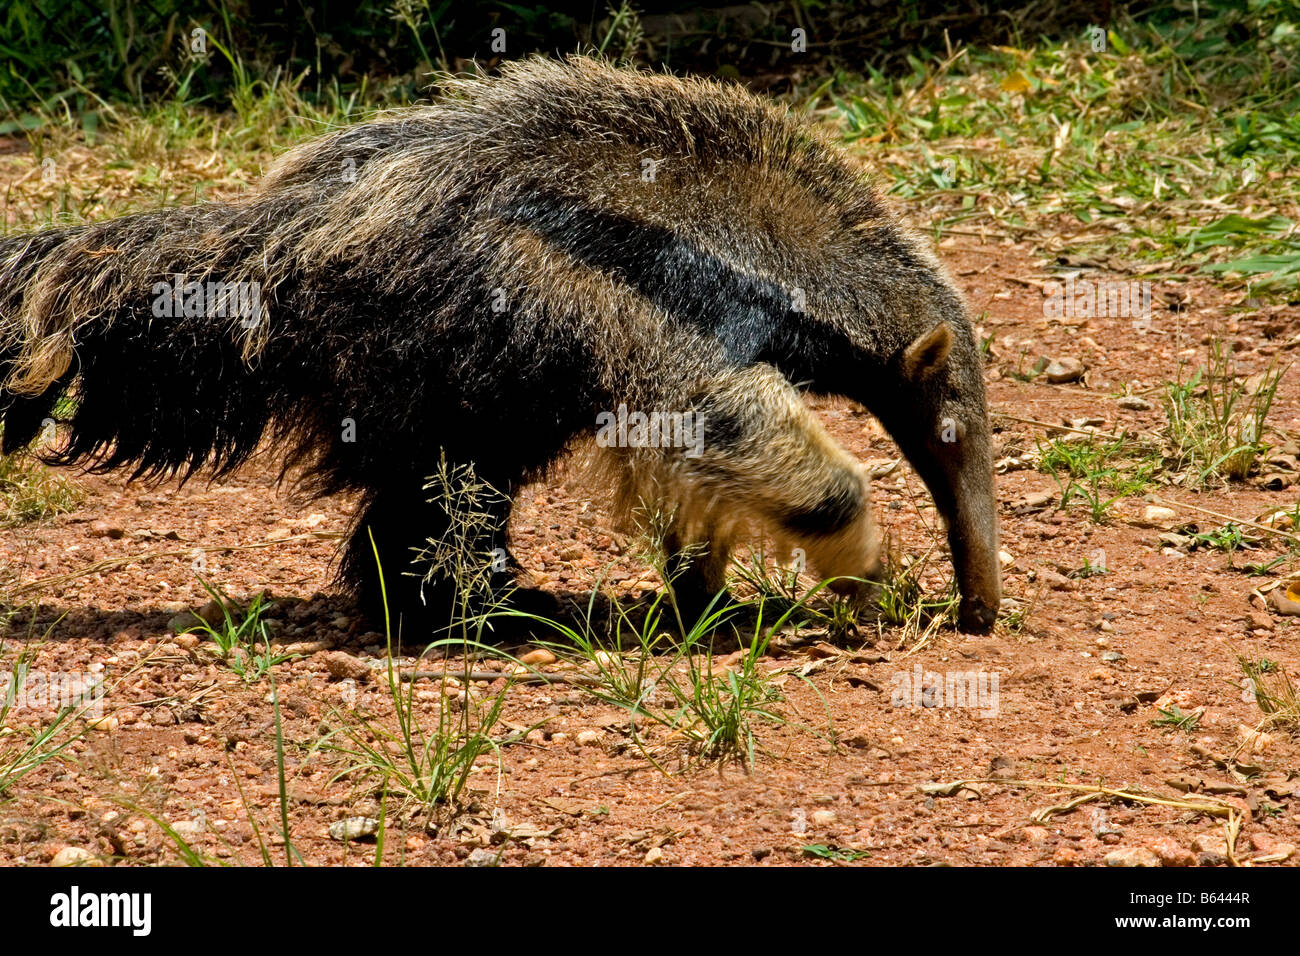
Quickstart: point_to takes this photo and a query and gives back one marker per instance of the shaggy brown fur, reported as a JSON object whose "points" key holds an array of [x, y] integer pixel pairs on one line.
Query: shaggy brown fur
{"points": [[483, 277]]}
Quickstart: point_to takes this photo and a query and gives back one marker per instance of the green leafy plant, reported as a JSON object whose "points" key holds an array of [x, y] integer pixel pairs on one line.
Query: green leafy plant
{"points": [[241, 636], [1172, 718], [671, 676], [836, 854], [1099, 470]]}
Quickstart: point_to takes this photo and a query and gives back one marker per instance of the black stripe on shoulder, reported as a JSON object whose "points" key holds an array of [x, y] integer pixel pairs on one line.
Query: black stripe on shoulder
{"points": [[693, 286]]}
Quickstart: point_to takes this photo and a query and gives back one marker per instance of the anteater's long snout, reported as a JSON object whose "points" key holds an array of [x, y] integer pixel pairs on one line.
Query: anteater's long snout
{"points": [[973, 540]]}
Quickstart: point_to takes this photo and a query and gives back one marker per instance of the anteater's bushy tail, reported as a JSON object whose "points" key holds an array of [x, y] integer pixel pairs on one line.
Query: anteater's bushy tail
{"points": [[162, 321], [188, 332], [20, 259], [156, 384]]}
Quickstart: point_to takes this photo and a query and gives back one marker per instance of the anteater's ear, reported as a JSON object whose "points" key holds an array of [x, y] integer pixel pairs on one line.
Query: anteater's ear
{"points": [[927, 354]]}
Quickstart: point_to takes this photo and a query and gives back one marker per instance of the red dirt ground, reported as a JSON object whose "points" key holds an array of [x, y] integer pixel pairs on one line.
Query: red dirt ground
{"points": [[185, 726]]}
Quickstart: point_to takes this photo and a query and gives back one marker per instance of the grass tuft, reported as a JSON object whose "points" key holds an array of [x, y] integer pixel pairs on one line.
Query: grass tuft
{"points": [[29, 491], [1274, 693], [242, 636], [1215, 423]]}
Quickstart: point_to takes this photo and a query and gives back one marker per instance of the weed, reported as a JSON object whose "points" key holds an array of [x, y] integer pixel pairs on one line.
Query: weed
{"points": [[1172, 718], [835, 854], [242, 636], [1089, 570], [1215, 424], [429, 769], [1229, 539], [677, 682], [22, 751], [1261, 568], [1097, 470], [1274, 693], [29, 491]]}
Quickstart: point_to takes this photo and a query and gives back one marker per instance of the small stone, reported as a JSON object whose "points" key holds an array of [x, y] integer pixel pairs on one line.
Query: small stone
{"points": [[1258, 619], [1262, 842], [760, 853], [1037, 836], [295, 648], [1066, 856], [344, 666], [75, 856], [1212, 849], [537, 658], [1002, 766], [103, 725], [212, 613], [859, 738], [1274, 850], [353, 828], [1284, 602], [1064, 370], [1111, 657], [622, 722], [184, 621], [1134, 404], [1132, 856], [187, 830], [1155, 516], [824, 818], [1171, 854], [106, 529], [481, 857], [654, 856], [1054, 580], [1210, 843], [588, 738], [1005, 559], [1256, 741]]}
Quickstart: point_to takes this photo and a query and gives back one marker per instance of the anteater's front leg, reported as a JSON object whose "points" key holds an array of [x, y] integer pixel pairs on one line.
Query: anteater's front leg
{"points": [[696, 567], [766, 457]]}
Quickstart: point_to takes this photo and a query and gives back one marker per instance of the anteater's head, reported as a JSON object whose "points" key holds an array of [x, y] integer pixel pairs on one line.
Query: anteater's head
{"points": [[940, 421], [911, 358], [884, 326]]}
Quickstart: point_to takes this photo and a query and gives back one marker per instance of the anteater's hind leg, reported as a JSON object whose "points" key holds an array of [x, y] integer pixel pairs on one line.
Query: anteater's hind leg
{"points": [[420, 599], [765, 456]]}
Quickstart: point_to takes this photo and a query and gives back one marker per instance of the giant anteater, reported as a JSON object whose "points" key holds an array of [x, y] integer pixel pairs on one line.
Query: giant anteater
{"points": [[482, 279]]}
